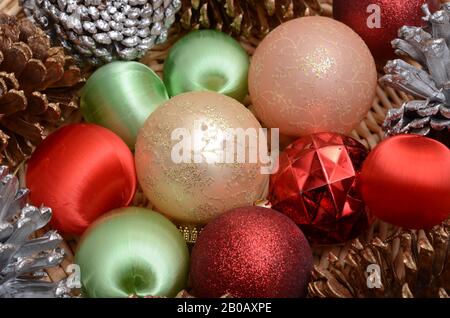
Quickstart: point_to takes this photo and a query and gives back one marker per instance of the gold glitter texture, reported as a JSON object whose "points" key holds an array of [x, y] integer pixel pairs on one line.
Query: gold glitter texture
{"points": [[321, 63], [190, 192]]}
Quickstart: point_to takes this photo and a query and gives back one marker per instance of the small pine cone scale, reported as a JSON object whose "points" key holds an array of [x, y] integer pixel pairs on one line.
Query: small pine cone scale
{"points": [[242, 17], [406, 264], [34, 76], [99, 31], [429, 46]]}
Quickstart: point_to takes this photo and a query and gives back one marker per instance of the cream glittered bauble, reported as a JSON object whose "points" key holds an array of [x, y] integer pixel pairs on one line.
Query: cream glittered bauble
{"points": [[312, 74], [184, 160]]}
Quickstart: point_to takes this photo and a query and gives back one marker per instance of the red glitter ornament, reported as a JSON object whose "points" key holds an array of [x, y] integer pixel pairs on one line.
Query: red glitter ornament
{"points": [[405, 181], [251, 252], [378, 21], [315, 186], [81, 171]]}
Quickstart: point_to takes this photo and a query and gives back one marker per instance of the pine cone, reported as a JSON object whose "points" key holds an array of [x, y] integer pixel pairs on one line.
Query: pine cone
{"points": [[35, 83], [23, 260], [429, 47], [242, 17], [407, 264], [99, 31]]}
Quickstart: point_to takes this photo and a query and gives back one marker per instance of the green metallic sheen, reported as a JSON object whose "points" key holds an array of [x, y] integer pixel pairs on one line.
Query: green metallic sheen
{"points": [[207, 60], [120, 96], [132, 251]]}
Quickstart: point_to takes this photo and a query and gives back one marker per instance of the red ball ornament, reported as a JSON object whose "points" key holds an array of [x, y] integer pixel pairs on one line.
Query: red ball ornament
{"points": [[405, 181], [315, 186], [251, 252], [81, 171], [378, 21]]}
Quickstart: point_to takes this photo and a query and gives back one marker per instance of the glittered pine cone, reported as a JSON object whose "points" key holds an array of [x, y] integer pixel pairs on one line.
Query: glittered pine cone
{"points": [[408, 263], [99, 31], [242, 17], [37, 85]]}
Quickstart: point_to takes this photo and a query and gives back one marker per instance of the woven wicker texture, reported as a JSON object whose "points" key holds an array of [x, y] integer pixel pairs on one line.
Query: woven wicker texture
{"points": [[369, 131]]}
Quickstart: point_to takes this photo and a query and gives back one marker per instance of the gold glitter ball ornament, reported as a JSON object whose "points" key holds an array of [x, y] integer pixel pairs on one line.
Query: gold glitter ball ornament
{"points": [[310, 75], [184, 160]]}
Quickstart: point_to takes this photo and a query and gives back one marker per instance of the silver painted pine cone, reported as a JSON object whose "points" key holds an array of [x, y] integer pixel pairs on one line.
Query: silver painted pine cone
{"points": [[430, 47], [23, 260], [99, 31]]}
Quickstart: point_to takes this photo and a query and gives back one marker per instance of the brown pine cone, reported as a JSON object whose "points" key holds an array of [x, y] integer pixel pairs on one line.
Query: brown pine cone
{"points": [[406, 264], [37, 87], [242, 17]]}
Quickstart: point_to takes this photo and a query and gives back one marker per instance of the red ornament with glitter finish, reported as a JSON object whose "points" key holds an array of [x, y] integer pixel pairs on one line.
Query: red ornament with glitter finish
{"points": [[315, 186], [251, 252], [378, 21]]}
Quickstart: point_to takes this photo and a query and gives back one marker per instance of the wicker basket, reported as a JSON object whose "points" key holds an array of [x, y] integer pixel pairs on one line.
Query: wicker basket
{"points": [[369, 131]]}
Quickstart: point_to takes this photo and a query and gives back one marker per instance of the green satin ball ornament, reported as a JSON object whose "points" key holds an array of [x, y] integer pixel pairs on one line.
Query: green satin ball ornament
{"points": [[207, 60], [120, 96], [132, 251]]}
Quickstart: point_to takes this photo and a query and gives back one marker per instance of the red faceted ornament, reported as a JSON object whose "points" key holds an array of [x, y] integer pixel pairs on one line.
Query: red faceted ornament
{"points": [[251, 252], [315, 186], [405, 181], [378, 21]]}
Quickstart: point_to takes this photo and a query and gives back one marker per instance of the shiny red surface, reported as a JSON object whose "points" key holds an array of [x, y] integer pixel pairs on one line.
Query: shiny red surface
{"points": [[394, 14], [405, 181], [251, 252], [81, 171], [316, 187]]}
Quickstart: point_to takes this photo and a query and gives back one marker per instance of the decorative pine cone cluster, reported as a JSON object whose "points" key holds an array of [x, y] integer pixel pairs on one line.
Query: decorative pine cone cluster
{"points": [[23, 260], [411, 264], [36, 87], [242, 17], [99, 31], [429, 46]]}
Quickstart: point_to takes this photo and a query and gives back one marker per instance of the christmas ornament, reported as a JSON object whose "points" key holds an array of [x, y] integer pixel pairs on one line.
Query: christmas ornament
{"points": [[120, 96], [37, 86], [429, 116], [411, 264], [99, 31], [81, 171], [405, 181], [251, 252], [23, 260], [315, 186], [207, 60], [302, 83], [377, 21], [183, 157], [181, 294], [132, 251], [242, 17]]}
